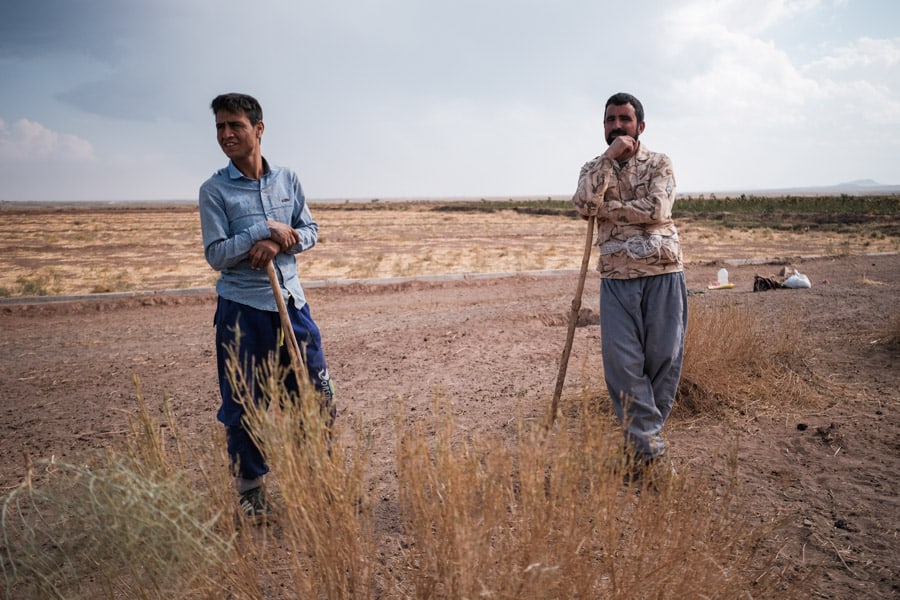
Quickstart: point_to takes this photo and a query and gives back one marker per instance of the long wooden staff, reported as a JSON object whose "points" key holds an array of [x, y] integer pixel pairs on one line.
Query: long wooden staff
{"points": [[573, 320], [289, 337]]}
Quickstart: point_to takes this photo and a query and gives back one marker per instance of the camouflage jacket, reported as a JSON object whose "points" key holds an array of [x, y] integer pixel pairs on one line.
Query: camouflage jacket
{"points": [[633, 205]]}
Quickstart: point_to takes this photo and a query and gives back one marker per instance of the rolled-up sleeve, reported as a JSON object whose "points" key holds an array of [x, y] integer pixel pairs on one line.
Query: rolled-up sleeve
{"points": [[222, 248]]}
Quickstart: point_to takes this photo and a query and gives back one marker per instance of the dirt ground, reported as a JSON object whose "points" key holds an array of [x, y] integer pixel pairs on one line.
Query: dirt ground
{"points": [[490, 346]]}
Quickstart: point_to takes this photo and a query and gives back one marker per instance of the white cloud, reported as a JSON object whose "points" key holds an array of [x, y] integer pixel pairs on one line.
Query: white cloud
{"points": [[740, 79], [866, 52], [745, 110], [750, 76], [702, 18], [861, 82], [29, 140]]}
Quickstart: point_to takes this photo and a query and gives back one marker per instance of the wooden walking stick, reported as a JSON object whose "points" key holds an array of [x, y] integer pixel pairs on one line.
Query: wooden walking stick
{"points": [[289, 338], [573, 320]]}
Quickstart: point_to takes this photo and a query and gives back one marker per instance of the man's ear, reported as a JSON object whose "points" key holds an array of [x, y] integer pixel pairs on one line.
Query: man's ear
{"points": [[641, 126], [260, 127]]}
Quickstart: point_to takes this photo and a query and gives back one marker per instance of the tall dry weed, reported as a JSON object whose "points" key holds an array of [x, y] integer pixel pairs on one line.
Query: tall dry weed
{"points": [[734, 359], [323, 510], [547, 516]]}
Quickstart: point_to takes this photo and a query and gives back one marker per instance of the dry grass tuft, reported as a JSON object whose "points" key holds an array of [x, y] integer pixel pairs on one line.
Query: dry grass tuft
{"points": [[866, 280], [734, 360], [131, 526], [548, 517]]}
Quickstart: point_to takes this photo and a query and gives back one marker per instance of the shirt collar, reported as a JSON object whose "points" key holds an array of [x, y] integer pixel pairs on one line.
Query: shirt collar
{"points": [[235, 173]]}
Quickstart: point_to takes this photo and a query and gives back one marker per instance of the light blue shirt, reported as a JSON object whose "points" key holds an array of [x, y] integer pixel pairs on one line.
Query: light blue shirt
{"points": [[233, 214]]}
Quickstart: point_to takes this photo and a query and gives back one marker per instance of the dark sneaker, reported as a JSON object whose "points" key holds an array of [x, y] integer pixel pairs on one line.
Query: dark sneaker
{"points": [[652, 474], [255, 507]]}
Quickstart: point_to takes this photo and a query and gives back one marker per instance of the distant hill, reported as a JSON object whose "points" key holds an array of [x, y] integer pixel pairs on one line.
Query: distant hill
{"points": [[857, 187]]}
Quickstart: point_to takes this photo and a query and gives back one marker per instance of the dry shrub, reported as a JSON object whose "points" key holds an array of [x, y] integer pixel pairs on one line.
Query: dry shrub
{"points": [[131, 526], [733, 359], [548, 517], [324, 514]]}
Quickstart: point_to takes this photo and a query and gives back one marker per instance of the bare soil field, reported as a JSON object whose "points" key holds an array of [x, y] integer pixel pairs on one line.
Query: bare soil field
{"points": [[475, 315]]}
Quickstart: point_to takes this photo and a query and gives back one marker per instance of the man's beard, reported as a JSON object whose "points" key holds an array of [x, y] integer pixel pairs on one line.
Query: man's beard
{"points": [[617, 133]]}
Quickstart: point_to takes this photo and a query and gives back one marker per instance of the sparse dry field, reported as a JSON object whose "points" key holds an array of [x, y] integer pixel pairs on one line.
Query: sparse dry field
{"points": [[70, 250], [820, 470]]}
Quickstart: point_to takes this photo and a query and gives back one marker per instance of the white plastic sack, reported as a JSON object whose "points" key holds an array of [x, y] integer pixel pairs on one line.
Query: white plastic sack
{"points": [[797, 281]]}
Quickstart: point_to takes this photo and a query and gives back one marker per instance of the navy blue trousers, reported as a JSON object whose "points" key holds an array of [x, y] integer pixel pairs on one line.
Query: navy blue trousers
{"points": [[260, 336]]}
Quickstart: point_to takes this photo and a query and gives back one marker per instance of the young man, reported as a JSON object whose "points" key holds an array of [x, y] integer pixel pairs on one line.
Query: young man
{"points": [[643, 296], [252, 213]]}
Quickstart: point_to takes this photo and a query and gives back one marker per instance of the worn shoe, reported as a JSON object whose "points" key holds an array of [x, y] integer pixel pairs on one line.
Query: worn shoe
{"points": [[652, 474], [255, 507]]}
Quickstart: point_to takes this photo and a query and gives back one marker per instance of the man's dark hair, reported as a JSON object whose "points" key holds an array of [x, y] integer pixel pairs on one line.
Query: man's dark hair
{"points": [[623, 98], [238, 103]]}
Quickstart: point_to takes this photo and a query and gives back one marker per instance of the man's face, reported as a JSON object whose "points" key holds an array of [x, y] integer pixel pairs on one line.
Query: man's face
{"points": [[620, 120], [237, 137]]}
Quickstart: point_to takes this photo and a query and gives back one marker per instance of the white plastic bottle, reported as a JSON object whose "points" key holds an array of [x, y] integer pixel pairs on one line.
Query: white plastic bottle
{"points": [[723, 276]]}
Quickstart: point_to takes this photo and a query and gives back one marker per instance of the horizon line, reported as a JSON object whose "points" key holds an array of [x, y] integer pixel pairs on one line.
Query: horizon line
{"points": [[851, 188]]}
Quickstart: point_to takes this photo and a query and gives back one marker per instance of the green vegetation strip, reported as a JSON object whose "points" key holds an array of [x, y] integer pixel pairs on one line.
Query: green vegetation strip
{"points": [[685, 205], [879, 215]]}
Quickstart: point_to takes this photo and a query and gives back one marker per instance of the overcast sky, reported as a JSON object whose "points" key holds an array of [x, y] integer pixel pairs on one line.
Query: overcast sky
{"points": [[109, 99]]}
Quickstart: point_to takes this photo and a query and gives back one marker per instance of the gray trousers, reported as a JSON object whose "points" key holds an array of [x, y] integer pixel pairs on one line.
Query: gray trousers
{"points": [[642, 325]]}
